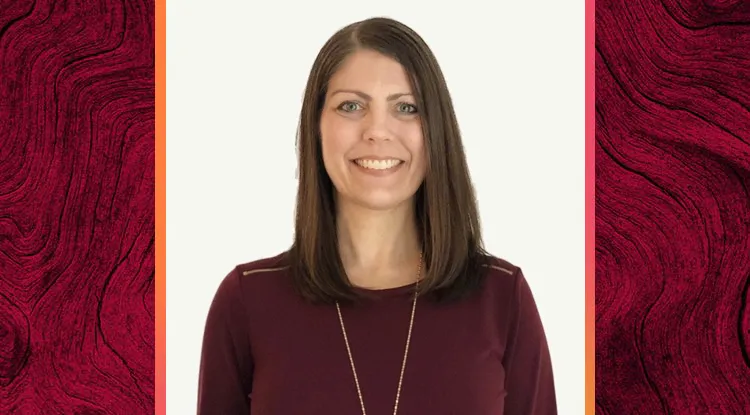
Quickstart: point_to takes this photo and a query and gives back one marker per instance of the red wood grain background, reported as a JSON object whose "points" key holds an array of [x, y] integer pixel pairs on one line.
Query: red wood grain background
{"points": [[672, 207], [76, 207]]}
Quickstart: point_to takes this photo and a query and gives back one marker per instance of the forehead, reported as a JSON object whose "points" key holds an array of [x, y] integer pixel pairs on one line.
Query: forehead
{"points": [[366, 69]]}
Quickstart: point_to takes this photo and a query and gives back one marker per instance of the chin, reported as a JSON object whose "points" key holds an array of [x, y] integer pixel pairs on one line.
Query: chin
{"points": [[380, 202]]}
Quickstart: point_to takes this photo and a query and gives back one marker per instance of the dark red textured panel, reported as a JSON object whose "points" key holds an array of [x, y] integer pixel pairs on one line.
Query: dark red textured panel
{"points": [[76, 207], [672, 207]]}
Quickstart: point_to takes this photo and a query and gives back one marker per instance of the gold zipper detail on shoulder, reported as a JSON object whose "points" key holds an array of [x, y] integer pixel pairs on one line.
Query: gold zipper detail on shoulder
{"points": [[255, 271]]}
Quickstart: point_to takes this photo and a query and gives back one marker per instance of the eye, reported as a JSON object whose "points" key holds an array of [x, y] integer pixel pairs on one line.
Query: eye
{"points": [[406, 108], [348, 106]]}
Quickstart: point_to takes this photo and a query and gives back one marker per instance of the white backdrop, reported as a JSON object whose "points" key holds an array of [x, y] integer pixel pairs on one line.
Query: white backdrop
{"points": [[236, 71]]}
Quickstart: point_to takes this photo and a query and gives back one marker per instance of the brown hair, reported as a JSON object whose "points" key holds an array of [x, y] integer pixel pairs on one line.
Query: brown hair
{"points": [[446, 208]]}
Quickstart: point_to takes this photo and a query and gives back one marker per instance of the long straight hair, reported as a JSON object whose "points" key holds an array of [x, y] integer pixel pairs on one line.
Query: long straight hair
{"points": [[445, 203]]}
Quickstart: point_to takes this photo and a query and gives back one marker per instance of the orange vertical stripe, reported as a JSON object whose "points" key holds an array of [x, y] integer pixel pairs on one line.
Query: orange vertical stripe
{"points": [[590, 215], [161, 170]]}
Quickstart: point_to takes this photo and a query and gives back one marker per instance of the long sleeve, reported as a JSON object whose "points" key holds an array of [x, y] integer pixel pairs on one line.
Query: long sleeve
{"points": [[226, 365], [529, 380]]}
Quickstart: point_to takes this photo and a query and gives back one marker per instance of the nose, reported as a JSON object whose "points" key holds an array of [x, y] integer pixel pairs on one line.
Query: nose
{"points": [[376, 126]]}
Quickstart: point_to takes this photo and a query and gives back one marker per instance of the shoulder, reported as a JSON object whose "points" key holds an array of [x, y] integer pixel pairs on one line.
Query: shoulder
{"points": [[501, 272], [263, 267], [505, 280], [499, 267], [247, 278], [252, 271], [259, 281], [261, 275]]}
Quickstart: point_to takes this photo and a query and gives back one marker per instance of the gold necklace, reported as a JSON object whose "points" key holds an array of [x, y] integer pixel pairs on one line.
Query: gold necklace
{"points": [[406, 350]]}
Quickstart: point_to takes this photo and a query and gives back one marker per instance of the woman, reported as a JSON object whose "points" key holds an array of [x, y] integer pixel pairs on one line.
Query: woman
{"points": [[386, 302]]}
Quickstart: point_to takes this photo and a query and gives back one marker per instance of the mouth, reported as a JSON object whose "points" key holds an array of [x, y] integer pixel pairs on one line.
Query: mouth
{"points": [[378, 164]]}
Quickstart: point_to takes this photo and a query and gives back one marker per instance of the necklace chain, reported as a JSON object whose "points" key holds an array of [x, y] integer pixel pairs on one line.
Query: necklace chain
{"points": [[406, 349]]}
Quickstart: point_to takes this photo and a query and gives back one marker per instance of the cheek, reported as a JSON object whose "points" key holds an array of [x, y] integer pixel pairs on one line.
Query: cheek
{"points": [[336, 139], [414, 142]]}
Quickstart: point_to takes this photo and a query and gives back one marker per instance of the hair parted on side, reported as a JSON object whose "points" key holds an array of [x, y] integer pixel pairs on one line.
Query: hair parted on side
{"points": [[445, 205]]}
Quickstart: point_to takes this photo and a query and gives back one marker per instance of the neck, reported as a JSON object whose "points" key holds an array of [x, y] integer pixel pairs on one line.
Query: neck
{"points": [[379, 249]]}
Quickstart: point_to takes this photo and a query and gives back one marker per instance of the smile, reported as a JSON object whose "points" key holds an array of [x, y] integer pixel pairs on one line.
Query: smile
{"points": [[378, 164]]}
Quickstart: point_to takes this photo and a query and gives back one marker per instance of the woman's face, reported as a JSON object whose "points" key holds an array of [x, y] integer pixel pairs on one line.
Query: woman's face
{"points": [[373, 147]]}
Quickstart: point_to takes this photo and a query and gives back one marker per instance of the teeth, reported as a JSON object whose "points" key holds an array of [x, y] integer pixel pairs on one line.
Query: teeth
{"points": [[378, 164]]}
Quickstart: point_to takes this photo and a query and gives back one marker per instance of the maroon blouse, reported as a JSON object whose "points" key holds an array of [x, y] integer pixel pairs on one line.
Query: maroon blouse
{"points": [[268, 352]]}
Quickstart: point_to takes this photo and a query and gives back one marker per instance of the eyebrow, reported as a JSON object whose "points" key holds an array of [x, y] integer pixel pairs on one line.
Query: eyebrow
{"points": [[367, 97]]}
